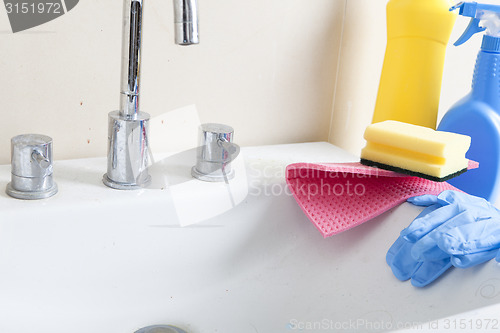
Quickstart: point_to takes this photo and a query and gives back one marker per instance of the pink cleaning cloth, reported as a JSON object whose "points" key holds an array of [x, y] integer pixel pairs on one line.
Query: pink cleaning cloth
{"points": [[339, 196]]}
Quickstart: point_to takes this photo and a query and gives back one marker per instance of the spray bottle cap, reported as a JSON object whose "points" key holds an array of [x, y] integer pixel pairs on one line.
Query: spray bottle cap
{"points": [[484, 18]]}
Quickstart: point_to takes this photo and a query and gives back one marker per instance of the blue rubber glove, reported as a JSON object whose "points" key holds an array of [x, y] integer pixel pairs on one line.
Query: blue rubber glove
{"points": [[472, 244], [455, 229], [453, 203], [404, 266], [456, 221]]}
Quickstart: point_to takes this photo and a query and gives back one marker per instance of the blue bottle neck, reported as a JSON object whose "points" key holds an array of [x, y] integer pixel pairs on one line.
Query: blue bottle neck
{"points": [[486, 81], [491, 44]]}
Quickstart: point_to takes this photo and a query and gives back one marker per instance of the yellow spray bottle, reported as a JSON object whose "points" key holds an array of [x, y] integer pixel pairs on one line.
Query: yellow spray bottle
{"points": [[410, 85]]}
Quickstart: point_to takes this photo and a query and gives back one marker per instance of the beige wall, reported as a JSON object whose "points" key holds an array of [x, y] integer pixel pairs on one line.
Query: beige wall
{"points": [[266, 67], [362, 54]]}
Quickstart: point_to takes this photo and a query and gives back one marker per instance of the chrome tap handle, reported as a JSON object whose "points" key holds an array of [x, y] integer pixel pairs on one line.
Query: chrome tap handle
{"points": [[215, 153], [31, 167]]}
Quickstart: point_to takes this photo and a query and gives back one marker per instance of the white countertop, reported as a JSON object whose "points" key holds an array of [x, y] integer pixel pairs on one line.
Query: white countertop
{"points": [[210, 257]]}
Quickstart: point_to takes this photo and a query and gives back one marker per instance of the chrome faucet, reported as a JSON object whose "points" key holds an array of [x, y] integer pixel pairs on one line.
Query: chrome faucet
{"points": [[128, 128]]}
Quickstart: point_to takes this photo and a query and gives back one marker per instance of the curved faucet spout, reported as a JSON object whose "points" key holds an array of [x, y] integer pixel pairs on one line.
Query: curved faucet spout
{"points": [[186, 33], [131, 58], [128, 128], [186, 22]]}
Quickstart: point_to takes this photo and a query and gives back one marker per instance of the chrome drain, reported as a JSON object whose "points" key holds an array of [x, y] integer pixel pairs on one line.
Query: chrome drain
{"points": [[160, 329]]}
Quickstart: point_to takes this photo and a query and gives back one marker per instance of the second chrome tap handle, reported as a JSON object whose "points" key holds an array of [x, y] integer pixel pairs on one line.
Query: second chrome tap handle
{"points": [[215, 153]]}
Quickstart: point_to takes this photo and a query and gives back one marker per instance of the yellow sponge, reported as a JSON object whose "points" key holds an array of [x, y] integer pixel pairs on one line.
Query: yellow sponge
{"points": [[415, 150]]}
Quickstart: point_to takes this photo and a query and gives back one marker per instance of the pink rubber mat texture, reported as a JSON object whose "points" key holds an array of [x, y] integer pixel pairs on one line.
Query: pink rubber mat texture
{"points": [[339, 196]]}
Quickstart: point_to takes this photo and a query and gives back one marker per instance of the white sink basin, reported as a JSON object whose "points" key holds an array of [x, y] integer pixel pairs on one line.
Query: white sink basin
{"points": [[207, 257]]}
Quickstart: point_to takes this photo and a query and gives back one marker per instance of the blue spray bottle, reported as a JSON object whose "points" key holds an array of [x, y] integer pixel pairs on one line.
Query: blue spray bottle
{"points": [[478, 113]]}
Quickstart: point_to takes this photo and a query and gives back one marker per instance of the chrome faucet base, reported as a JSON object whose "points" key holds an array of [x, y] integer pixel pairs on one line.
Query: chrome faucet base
{"points": [[31, 195], [216, 176], [124, 186], [128, 151]]}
